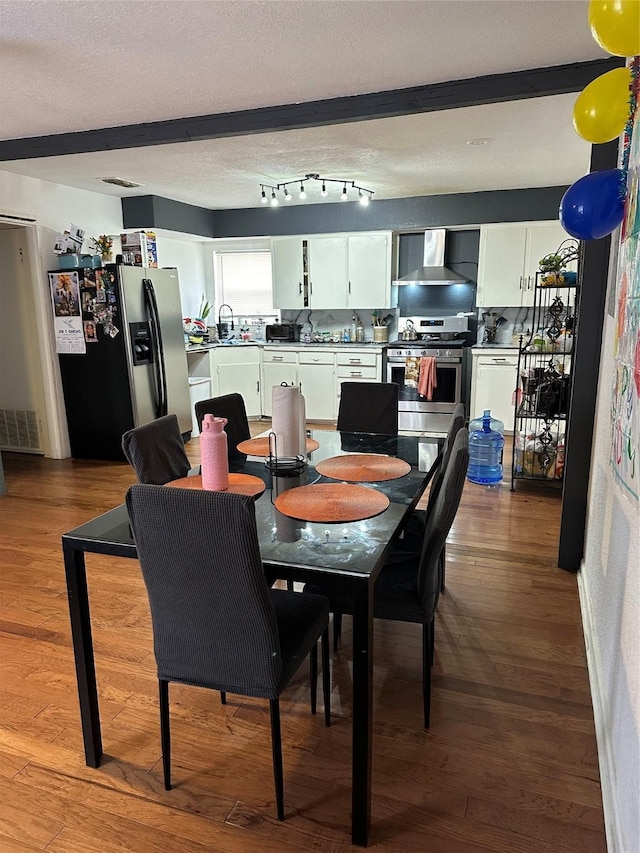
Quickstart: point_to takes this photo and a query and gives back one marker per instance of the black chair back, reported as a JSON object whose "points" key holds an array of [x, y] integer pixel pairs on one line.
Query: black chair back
{"points": [[231, 407], [214, 624], [440, 519], [457, 422], [368, 407], [156, 451]]}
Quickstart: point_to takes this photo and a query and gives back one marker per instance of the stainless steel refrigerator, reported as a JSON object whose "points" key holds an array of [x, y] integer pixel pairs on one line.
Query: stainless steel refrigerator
{"points": [[135, 366]]}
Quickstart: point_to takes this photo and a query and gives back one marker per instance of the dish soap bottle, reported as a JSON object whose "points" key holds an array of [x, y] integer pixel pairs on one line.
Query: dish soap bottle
{"points": [[359, 332], [354, 328]]}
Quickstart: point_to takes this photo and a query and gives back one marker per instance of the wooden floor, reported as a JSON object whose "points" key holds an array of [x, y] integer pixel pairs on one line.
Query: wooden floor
{"points": [[509, 765]]}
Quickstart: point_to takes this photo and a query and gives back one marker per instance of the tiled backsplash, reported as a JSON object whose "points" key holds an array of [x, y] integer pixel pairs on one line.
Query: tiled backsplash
{"points": [[339, 320], [516, 321]]}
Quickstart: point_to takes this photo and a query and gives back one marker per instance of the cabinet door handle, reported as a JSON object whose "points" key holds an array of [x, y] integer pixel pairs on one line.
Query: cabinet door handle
{"points": [[310, 287], [521, 282], [355, 373], [349, 287], [258, 387], [498, 359], [355, 360], [278, 357], [300, 288]]}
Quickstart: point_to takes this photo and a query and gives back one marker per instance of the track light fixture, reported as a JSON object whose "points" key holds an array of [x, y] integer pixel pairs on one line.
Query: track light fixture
{"points": [[364, 195]]}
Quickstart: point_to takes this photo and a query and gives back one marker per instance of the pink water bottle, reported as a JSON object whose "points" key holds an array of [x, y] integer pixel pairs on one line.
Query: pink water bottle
{"points": [[213, 454]]}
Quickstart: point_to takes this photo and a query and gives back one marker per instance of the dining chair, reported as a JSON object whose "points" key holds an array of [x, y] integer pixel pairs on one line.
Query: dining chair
{"points": [[231, 407], [216, 623], [156, 451], [368, 407], [415, 527], [408, 586]]}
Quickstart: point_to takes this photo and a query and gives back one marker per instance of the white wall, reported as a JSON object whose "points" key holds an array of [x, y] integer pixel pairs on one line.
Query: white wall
{"points": [[19, 360], [610, 595], [190, 259], [55, 207]]}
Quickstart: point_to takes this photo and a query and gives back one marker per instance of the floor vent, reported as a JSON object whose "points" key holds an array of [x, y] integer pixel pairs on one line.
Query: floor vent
{"points": [[19, 430]]}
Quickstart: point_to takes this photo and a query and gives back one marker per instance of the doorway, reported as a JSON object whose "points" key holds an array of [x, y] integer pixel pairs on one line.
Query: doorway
{"points": [[30, 419]]}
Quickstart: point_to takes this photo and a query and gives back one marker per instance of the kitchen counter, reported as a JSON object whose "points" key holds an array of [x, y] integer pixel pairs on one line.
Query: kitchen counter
{"points": [[495, 346], [289, 344]]}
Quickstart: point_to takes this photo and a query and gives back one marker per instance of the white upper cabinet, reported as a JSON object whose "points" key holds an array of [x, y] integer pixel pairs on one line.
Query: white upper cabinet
{"points": [[369, 284], [509, 258], [328, 271], [287, 268], [342, 271]]}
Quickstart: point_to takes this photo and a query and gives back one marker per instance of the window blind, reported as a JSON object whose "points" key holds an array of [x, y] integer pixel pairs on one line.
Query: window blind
{"points": [[243, 281]]}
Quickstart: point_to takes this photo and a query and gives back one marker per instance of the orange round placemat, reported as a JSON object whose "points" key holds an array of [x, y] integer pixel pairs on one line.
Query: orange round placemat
{"points": [[260, 446], [363, 467], [239, 484], [331, 502]]}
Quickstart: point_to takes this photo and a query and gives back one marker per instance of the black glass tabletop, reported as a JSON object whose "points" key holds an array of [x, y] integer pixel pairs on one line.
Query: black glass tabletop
{"points": [[342, 548]]}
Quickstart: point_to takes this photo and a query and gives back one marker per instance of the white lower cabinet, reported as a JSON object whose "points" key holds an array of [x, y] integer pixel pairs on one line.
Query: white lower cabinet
{"points": [[316, 376], [357, 366], [319, 373], [237, 370], [278, 365], [493, 381]]}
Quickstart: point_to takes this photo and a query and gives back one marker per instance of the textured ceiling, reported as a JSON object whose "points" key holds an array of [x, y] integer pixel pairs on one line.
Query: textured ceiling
{"points": [[68, 66]]}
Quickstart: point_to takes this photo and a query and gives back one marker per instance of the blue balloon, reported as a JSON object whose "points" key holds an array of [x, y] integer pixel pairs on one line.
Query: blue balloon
{"points": [[594, 206]]}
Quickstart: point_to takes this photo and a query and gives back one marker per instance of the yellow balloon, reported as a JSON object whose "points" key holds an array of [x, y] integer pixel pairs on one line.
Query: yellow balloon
{"points": [[602, 108], [615, 25]]}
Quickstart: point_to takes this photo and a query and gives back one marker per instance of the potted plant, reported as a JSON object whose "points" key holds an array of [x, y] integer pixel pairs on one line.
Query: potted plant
{"points": [[551, 266], [102, 245], [205, 309]]}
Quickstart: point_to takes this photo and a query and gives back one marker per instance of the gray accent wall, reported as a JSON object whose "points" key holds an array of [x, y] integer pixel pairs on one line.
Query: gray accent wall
{"points": [[402, 214]]}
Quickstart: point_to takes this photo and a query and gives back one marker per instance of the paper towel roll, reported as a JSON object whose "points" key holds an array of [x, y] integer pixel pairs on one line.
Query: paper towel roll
{"points": [[288, 420]]}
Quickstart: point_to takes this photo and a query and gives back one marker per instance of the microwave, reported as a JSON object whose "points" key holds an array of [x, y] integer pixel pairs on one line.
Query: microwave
{"points": [[283, 332]]}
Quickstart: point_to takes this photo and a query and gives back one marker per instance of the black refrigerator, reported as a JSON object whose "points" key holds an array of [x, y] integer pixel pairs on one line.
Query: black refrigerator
{"points": [[134, 368]]}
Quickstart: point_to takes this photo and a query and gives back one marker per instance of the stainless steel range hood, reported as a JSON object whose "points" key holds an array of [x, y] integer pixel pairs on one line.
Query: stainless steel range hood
{"points": [[433, 270]]}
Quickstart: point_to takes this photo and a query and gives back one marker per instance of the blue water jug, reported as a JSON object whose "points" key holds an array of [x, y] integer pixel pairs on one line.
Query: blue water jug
{"points": [[485, 453], [496, 425]]}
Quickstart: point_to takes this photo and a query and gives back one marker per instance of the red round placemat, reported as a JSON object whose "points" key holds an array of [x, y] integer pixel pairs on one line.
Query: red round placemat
{"points": [[260, 446], [363, 467], [331, 502], [239, 484]]}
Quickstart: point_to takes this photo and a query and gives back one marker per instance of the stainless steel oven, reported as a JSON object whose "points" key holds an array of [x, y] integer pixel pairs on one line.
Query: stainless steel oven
{"points": [[417, 413]]}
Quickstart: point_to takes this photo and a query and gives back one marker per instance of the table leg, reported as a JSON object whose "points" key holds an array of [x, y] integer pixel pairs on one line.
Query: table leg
{"points": [[75, 571], [362, 711]]}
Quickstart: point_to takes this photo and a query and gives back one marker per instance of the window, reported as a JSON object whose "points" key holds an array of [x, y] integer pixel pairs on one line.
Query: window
{"points": [[243, 281]]}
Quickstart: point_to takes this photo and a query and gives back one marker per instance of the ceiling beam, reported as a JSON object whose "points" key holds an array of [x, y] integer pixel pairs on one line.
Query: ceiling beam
{"points": [[475, 91]]}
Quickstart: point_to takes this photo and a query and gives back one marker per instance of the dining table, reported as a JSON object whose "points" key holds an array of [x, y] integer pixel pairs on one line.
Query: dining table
{"points": [[347, 554]]}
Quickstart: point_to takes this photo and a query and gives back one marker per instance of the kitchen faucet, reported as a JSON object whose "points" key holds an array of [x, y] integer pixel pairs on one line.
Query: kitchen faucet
{"points": [[224, 305]]}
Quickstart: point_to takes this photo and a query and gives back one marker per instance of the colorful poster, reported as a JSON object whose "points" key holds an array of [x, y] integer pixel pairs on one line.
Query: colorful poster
{"points": [[67, 316], [625, 402]]}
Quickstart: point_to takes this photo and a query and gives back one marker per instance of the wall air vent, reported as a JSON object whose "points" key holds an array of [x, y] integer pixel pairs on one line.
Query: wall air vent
{"points": [[120, 182], [19, 430]]}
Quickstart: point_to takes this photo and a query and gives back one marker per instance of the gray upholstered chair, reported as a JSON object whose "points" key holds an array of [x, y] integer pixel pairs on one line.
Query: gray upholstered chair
{"points": [[156, 451], [368, 407], [408, 586], [231, 407], [216, 623], [414, 531]]}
